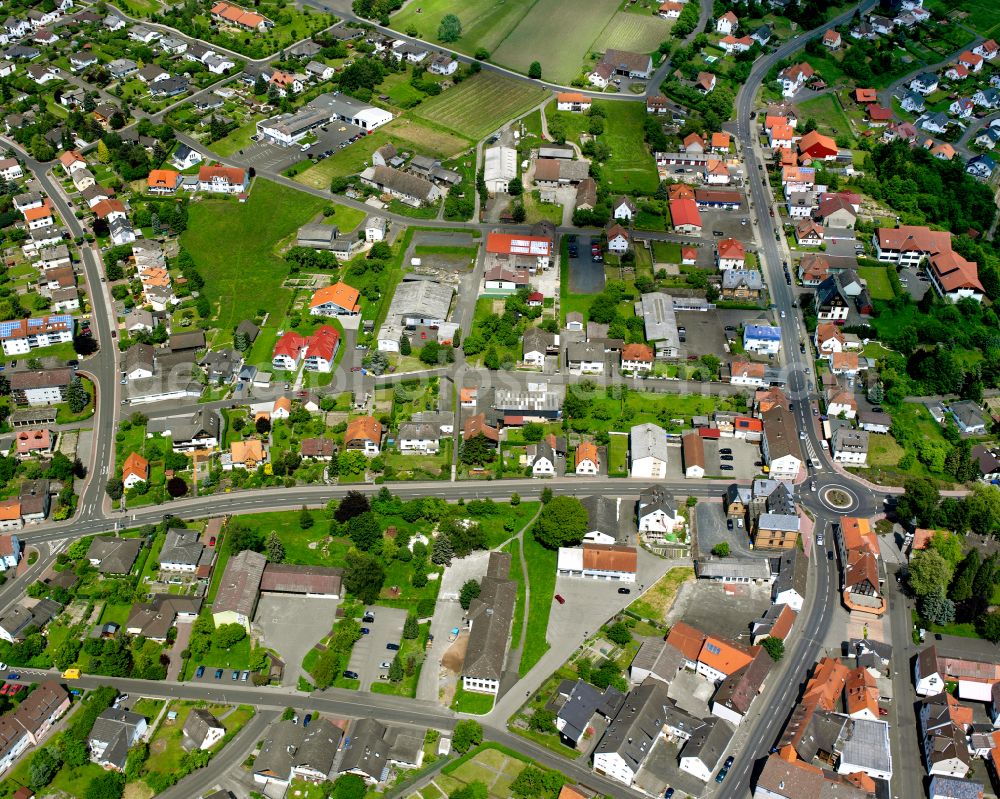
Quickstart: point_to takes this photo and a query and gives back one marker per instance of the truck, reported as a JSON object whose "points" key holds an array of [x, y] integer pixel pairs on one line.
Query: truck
{"points": [[454, 634]]}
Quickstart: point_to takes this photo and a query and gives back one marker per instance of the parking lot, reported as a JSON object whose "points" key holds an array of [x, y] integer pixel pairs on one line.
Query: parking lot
{"points": [[712, 530], [706, 332], [224, 676], [585, 276], [729, 223], [725, 610], [370, 651], [292, 625], [915, 281], [268, 157]]}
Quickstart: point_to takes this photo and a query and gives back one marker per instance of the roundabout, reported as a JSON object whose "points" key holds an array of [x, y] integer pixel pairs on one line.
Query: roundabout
{"points": [[839, 498]]}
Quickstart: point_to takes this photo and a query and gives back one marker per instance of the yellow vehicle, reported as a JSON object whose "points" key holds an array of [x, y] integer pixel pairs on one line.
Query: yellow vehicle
{"points": [[71, 674]]}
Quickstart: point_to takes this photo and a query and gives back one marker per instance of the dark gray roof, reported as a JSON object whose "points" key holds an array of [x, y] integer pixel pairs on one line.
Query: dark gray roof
{"points": [[115, 555], [603, 514], [116, 727], [638, 724], [581, 704], [198, 725], [374, 745], [537, 340], [182, 547], [709, 742], [656, 498], [793, 574], [491, 614], [287, 744], [139, 356], [249, 329]]}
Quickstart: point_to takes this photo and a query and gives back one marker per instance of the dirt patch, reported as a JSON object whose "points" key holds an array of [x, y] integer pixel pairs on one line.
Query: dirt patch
{"points": [[158, 747], [454, 657], [138, 790]]}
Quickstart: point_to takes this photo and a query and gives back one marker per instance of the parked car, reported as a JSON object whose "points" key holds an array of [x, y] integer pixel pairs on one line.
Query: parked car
{"points": [[365, 630], [245, 676], [307, 719], [624, 590], [384, 664], [726, 467], [725, 450], [729, 524], [236, 675], [351, 675], [393, 647], [726, 458], [560, 600], [218, 674], [200, 672]]}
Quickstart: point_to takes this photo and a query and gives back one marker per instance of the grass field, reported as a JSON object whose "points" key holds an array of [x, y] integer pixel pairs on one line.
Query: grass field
{"points": [[545, 25], [829, 116], [403, 132], [239, 280], [541, 587], [655, 603], [618, 456], [877, 279], [631, 168], [982, 14], [495, 769], [485, 23], [638, 33], [471, 702], [478, 106]]}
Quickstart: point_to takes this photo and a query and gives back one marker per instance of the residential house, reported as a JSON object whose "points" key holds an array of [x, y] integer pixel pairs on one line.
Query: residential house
{"points": [[364, 434], [780, 445], [648, 451], [115, 731], [292, 751], [850, 446]]}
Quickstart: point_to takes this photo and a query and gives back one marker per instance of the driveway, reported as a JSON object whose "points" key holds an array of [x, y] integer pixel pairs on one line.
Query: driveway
{"points": [[292, 625], [180, 644], [370, 650]]}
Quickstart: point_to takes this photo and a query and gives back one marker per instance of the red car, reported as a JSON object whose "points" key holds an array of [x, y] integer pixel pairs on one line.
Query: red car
{"points": [[211, 541], [560, 600], [883, 712]]}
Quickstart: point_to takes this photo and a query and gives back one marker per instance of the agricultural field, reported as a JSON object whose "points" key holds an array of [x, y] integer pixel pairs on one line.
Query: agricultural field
{"points": [[404, 133], [635, 32], [545, 24], [478, 106], [239, 281], [980, 15]]}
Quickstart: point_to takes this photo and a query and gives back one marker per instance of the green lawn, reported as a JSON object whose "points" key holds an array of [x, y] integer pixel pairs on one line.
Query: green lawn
{"points": [[234, 245], [618, 456], [485, 23], [631, 168], [655, 603], [542, 585], [828, 114], [515, 573], [481, 104], [471, 702], [239, 138], [345, 217], [877, 278], [666, 252]]}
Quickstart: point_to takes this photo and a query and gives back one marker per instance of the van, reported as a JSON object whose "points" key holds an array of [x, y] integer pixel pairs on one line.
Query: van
{"points": [[71, 674]]}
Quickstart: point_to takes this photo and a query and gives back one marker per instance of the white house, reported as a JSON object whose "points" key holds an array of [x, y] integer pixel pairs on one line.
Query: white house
{"points": [[727, 23], [648, 451]]}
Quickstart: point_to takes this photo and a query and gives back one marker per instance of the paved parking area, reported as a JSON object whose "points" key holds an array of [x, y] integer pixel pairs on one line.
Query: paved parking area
{"points": [[266, 156], [729, 222], [915, 281], [585, 276], [226, 678], [662, 769], [706, 331], [712, 530], [371, 650], [292, 625]]}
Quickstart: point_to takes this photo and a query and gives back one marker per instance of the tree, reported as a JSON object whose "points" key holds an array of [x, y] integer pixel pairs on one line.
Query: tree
{"points": [[948, 546], [474, 790], [76, 395], [518, 214], [114, 488], [543, 720], [937, 608], [492, 359], [239, 537], [349, 786], [535, 70], [353, 504], [468, 733], [774, 647], [228, 635], [929, 573], [442, 551], [546, 495], [430, 353], [411, 629], [109, 785], [404, 345], [396, 669], [177, 487], [262, 426], [275, 549], [919, 501], [562, 523], [961, 586], [470, 590], [103, 153], [721, 550], [619, 634], [364, 531], [450, 29], [306, 518], [43, 768], [477, 450], [515, 188], [988, 626], [364, 576]]}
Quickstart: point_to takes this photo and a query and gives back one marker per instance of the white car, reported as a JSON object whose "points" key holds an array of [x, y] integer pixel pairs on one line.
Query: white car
{"points": [[384, 664], [3, 667]]}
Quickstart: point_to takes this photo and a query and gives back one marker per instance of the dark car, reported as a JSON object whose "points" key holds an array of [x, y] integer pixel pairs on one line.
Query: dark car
{"points": [[351, 675], [802, 348], [200, 672], [307, 719], [829, 555], [718, 233], [365, 631], [236, 676], [668, 793], [721, 775], [726, 458], [393, 647], [729, 524], [726, 467], [13, 676], [560, 600], [725, 450], [624, 590], [729, 762], [218, 674]]}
